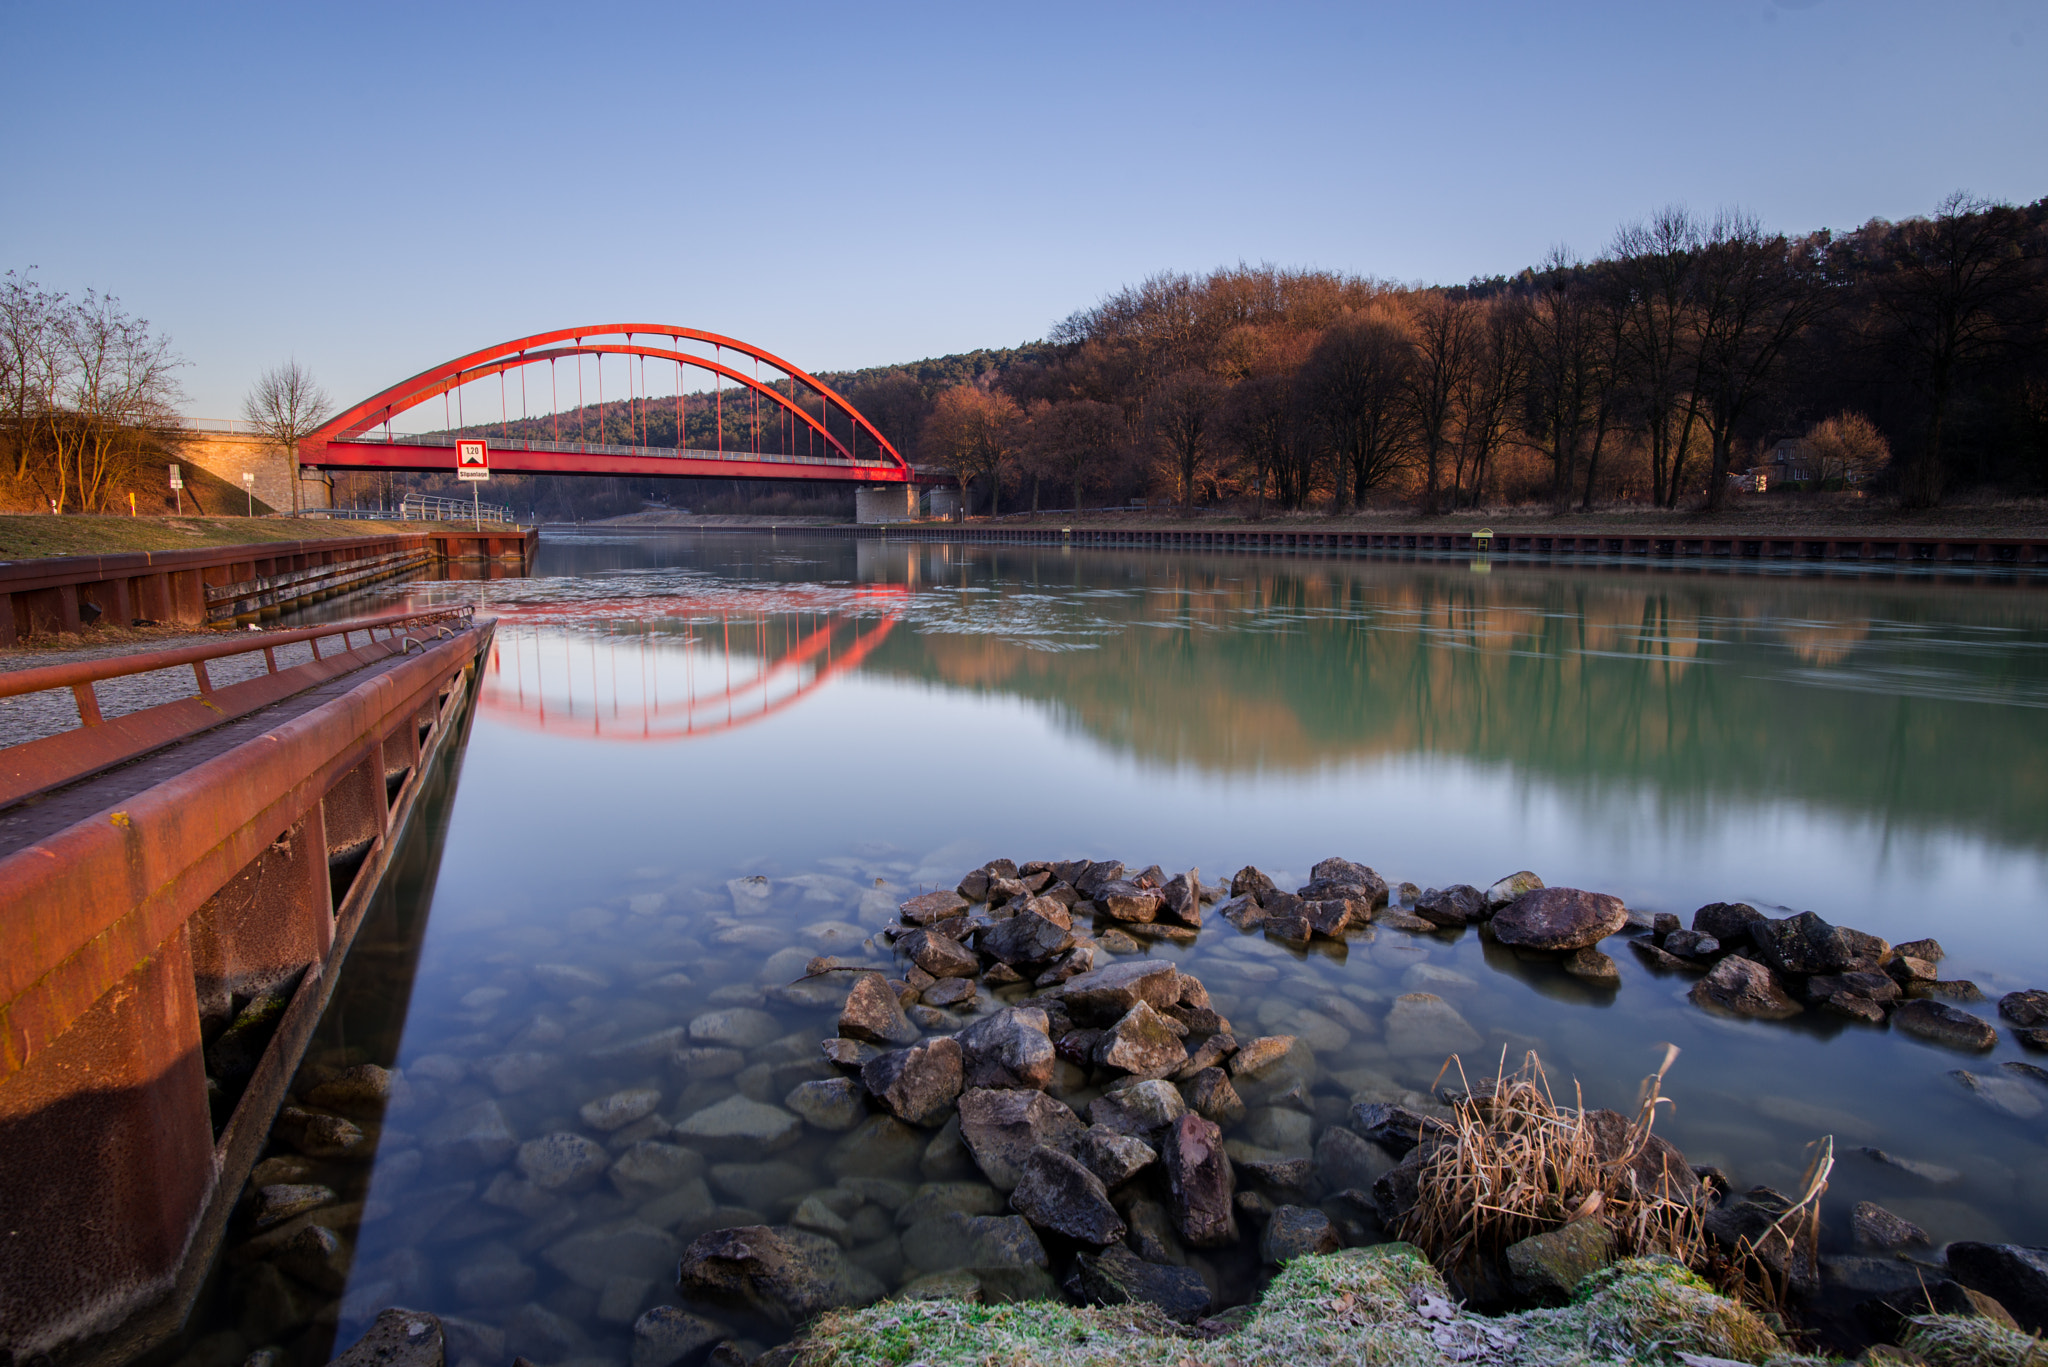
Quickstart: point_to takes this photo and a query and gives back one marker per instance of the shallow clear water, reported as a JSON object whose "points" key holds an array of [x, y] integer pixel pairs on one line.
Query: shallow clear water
{"points": [[859, 722]]}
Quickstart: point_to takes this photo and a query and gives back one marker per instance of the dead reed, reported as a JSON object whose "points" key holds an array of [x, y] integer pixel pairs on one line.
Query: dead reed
{"points": [[1511, 1163]]}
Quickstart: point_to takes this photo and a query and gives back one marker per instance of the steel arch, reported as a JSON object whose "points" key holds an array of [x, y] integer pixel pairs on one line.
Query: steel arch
{"points": [[384, 405]]}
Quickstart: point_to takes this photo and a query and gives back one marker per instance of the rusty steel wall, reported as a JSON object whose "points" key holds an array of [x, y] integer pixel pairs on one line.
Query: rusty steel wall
{"points": [[126, 927]]}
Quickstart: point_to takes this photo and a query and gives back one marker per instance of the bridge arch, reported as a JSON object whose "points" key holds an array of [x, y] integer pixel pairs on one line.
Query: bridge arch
{"points": [[351, 440]]}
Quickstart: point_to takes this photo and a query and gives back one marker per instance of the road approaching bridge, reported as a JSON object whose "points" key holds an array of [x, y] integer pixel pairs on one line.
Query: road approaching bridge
{"points": [[786, 424]]}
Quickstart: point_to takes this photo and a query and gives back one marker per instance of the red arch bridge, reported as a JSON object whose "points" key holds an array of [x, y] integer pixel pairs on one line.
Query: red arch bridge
{"points": [[760, 417]]}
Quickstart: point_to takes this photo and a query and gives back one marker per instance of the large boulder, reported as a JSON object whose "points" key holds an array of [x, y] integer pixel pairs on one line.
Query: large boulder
{"points": [[1296, 1231], [1059, 1193], [1806, 944], [1002, 1251], [874, 1013], [1422, 1023], [1939, 1023], [1002, 1126], [1107, 993], [785, 1275], [1183, 904], [1508, 889], [1559, 918], [942, 956], [1116, 1276], [667, 1336], [1549, 1266], [2024, 1008], [917, 1084], [1744, 987], [1123, 900], [2014, 1275], [1141, 1109], [398, 1338], [933, 906], [1201, 1183], [1008, 1049]]}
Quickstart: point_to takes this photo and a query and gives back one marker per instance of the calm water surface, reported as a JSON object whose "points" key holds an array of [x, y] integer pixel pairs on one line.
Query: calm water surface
{"points": [[859, 722]]}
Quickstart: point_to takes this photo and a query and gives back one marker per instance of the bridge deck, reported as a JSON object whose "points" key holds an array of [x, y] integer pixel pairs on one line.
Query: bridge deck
{"points": [[435, 454]]}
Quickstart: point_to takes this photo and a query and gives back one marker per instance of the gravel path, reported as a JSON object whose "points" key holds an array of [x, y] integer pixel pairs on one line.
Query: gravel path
{"points": [[35, 715]]}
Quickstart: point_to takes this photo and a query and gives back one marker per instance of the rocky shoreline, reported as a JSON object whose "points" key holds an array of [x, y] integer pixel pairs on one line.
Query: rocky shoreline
{"points": [[1030, 1108]]}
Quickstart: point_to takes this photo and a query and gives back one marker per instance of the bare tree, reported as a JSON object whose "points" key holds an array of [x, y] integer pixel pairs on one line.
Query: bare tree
{"points": [[975, 431], [1073, 440], [1757, 292], [1491, 390], [1185, 409], [1259, 418], [286, 406], [1656, 266], [1446, 348], [1355, 382], [1563, 382], [31, 367], [118, 395], [1955, 288]]}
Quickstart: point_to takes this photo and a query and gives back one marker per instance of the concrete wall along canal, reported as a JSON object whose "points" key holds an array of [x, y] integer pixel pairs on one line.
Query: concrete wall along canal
{"points": [[62, 594], [142, 905]]}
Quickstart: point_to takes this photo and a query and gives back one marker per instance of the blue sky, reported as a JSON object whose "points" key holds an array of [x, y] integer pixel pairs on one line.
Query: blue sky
{"points": [[376, 188]]}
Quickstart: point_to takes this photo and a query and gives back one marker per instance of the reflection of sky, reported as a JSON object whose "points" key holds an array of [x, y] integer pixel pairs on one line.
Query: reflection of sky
{"points": [[916, 767]]}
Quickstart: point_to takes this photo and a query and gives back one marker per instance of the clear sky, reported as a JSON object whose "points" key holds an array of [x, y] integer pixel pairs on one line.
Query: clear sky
{"points": [[375, 188]]}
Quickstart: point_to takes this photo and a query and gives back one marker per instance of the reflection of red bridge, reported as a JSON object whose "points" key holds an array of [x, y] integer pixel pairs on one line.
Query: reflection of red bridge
{"points": [[782, 424], [733, 662]]}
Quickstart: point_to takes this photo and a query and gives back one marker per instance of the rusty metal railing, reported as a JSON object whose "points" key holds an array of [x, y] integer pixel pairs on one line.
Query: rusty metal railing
{"points": [[80, 675]]}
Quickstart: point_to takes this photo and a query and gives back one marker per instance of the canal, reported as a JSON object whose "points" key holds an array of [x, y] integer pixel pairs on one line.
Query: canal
{"points": [[700, 760]]}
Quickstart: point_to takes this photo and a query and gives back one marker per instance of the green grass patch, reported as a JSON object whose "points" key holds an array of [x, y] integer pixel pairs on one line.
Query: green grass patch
{"points": [[31, 536]]}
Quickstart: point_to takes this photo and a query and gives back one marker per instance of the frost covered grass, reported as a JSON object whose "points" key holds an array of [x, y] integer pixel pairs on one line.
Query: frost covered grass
{"points": [[1971, 1341], [1383, 1306]]}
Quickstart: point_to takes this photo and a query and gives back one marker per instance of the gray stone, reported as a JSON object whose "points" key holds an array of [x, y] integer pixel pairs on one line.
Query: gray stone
{"points": [[1549, 1266], [1249, 881], [1108, 993], [538, 1334], [1559, 919], [620, 1109], [1008, 1049], [933, 906], [880, 1146], [934, 1199], [2025, 1008], [1002, 1252], [1458, 905], [562, 1161], [1877, 1227], [1035, 935], [1143, 1043], [320, 1258], [1141, 1109], [1512, 887], [275, 1204], [1280, 1128], [2013, 1274], [651, 1167], [1059, 1193], [1341, 880], [1728, 922], [666, 1336], [1590, 965], [1183, 899], [473, 1136], [1344, 1161], [320, 1136], [1942, 1024], [770, 1186], [1210, 1095], [1805, 944], [1254, 1057], [362, 1091], [848, 1055], [736, 1027], [1001, 1127], [1296, 1231], [1394, 1128], [917, 1084], [1115, 1277], [2004, 1094], [834, 1104], [873, 1014], [738, 1123], [1113, 1157], [1743, 987], [786, 1275], [950, 993], [1691, 944], [709, 1062], [1950, 990], [942, 956], [1200, 1182], [628, 1248], [398, 1338], [1125, 901], [1422, 1023]]}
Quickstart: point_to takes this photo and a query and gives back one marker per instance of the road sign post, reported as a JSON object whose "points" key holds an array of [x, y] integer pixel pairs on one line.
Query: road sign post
{"points": [[473, 467], [177, 487], [249, 488]]}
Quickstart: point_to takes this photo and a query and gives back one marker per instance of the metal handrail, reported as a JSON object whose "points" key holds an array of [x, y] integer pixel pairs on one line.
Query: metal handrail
{"points": [[80, 675], [440, 508]]}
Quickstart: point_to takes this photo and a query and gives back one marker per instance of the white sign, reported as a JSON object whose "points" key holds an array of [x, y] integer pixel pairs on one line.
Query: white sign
{"points": [[472, 462], [177, 478]]}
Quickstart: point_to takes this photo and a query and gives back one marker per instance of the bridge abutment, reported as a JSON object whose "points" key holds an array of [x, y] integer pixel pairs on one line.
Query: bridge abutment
{"points": [[874, 503]]}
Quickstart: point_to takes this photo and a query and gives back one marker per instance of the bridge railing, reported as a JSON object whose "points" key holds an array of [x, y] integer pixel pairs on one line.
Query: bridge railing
{"points": [[592, 448], [435, 508]]}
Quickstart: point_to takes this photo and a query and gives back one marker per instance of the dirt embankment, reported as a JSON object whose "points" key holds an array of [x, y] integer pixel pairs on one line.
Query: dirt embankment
{"points": [[31, 536]]}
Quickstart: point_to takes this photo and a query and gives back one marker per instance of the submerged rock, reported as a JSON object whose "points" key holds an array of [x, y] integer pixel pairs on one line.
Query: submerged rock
{"points": [[398, 1338], [1059, 1193], [787, 1275], [737, 1123], [1201, 1183], [1877, 1227], [1940, 1023], [1548, 1267], [1424, 1023]]}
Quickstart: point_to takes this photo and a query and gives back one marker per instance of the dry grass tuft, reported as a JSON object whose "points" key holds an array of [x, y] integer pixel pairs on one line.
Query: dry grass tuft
{"points": [[1512, 1163]]}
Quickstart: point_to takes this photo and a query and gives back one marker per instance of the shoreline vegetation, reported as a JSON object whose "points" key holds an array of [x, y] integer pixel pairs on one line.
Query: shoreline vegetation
{"points": [[1015, 1029]]}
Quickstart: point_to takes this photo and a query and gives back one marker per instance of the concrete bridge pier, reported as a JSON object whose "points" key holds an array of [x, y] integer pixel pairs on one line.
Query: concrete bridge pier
{"points": [[885, 503]]}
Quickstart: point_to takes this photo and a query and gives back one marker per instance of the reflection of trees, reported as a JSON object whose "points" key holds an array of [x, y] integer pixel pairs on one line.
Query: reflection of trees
{"points": [[1691, 687]]}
